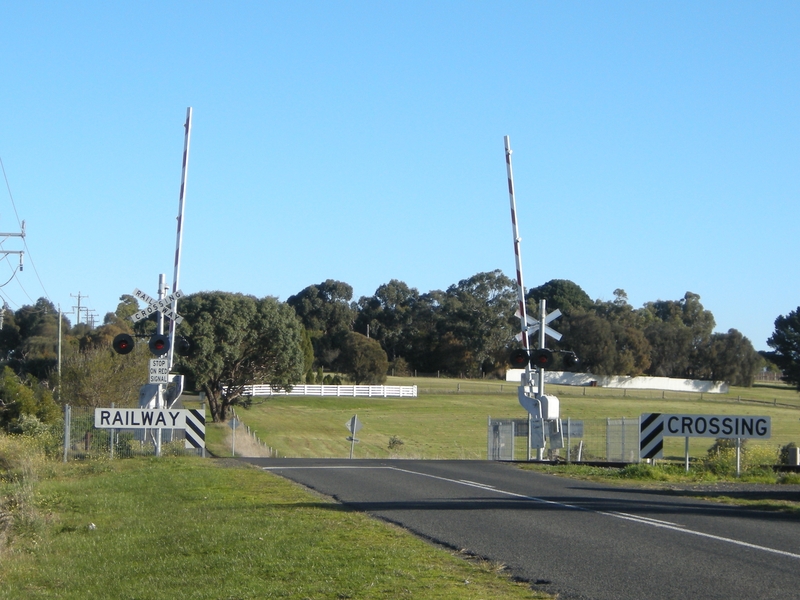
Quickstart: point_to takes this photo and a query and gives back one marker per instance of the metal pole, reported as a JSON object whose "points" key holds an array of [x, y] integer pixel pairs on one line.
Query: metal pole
{"points": [[687, 453], [353, 436], [179, 240], [67, 427], [569, 439], [529, 437], [234, 425], [58, 395], [111, 439], [542, 341], [523, 317], [162, 285], [738, 456]]}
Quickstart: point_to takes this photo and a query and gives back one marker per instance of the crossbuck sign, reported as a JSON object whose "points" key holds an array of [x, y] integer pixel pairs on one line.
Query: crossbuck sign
{"points": [[164, 306]]}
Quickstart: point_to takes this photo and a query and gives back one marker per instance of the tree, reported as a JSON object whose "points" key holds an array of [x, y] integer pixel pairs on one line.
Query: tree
{"points": [[592, 339], [678, 332], [732, 358], [326, 312], [239, 340], [364, 360], [785, 341], [95, 375], [478, 313], [24, 397], [388, 316], [559, 293], [29, 340]]}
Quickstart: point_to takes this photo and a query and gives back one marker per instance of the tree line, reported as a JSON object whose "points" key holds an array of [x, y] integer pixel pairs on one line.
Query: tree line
{"points": [[469, 329], [322, 334]]}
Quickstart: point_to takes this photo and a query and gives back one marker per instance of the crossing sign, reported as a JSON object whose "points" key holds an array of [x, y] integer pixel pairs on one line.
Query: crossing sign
{"points": [[533, 325], [164, 306]]}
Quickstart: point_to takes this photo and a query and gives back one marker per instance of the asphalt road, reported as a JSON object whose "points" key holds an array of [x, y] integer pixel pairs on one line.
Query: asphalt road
{"points": [[577, 539]]}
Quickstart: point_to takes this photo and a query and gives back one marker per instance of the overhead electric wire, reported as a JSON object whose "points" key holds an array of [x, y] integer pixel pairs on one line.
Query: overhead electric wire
{"points": [[24, 241]]}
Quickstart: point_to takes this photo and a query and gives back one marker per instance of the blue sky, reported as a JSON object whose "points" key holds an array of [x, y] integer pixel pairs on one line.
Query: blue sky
{"points": [[656, 147]]}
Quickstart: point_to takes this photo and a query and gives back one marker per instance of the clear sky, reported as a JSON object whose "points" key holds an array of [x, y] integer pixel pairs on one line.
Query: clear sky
{"points": [[656, 147]]}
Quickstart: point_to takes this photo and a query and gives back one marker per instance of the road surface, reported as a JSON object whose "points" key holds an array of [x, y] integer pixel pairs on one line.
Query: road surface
{"points": [[577, 539]]}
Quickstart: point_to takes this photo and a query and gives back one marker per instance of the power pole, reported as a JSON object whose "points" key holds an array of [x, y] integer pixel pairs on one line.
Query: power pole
{"points": [[78, 311], [21, 253]]}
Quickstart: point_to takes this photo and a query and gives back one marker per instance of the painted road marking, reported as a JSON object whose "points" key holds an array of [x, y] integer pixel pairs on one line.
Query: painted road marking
{"points": [[616, 515]]}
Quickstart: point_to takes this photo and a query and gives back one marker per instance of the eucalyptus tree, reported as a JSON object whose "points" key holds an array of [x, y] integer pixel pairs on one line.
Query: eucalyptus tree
{"points": [[785, 341], [236, 341], [326, 312], [364, 360], [388, 316]]}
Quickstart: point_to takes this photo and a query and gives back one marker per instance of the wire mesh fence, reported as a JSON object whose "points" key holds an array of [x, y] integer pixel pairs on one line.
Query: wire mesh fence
{"points": [[82, 440], [616, 439]]}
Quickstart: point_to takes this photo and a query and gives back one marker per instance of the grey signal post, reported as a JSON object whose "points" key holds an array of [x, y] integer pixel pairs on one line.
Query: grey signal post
{"points": [[162, 309]]}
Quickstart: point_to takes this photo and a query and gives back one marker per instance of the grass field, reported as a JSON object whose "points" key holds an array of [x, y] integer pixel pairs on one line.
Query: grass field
{"points": [[159, 528], [449, 418]]}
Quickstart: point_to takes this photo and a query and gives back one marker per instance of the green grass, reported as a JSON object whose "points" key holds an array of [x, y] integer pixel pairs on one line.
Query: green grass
{"points": [[193, 528], [448, 423], [673, 479]]}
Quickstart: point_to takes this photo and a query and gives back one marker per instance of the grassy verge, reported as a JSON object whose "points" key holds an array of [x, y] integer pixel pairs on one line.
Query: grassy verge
{"points": [[192, 528], [704, 481]]}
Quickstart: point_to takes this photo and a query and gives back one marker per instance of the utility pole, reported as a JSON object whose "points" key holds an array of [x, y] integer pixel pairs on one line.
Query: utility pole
{"points": [[78, 313], [21, 253], [58, 388]]}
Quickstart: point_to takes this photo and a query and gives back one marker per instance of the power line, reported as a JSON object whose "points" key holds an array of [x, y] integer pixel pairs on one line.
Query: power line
{"points": [[24, 242]]}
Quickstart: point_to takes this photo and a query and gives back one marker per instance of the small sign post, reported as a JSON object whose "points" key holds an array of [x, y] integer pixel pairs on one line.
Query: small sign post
{"points": [[234, 423], [353, 426]]}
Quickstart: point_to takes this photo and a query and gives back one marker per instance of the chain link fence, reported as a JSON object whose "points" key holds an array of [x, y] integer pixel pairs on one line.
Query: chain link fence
{"points": [[612, 440]]}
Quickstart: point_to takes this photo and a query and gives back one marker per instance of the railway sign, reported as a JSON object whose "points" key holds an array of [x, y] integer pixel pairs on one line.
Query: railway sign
{"points": [[192, 421], [164, 306]]}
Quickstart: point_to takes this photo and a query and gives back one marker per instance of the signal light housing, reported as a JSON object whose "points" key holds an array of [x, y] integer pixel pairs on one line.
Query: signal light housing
{"points": [[182, 346], [571, 360], [519, 358], [541, 358], [122, 344], [159, 344]]}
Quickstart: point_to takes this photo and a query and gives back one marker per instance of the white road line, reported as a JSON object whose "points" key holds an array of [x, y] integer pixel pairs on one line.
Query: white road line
{"points": [[617, 515], [614, 513], [482, 485], [624, 516]]}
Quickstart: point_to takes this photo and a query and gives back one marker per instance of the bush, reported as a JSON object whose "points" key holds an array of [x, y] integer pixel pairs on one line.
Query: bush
{"points": [[783, 456], [399, 367], [721, 459], [643, 471]]}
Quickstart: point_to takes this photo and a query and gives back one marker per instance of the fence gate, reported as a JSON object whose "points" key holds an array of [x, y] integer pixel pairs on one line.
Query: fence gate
{"points": [[622, 440], [500, 436]]}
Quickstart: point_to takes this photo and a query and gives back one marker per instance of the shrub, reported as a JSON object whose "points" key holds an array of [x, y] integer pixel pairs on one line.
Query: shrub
{"points": [[783, 456], [643, 471]]}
